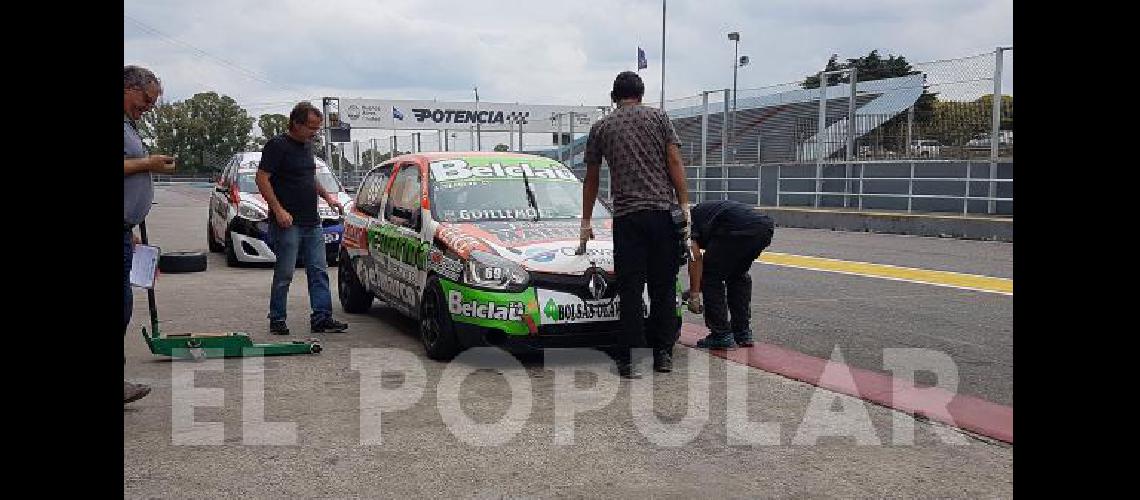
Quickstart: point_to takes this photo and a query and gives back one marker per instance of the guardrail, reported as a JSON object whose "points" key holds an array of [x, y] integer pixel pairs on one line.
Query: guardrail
{"points": [[975, 187]]}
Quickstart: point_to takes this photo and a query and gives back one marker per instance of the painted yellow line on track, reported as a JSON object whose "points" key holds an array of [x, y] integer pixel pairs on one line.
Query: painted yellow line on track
{"points": [[974, 282]]}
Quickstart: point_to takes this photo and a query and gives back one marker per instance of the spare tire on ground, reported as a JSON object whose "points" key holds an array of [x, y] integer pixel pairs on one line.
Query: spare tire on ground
{"points": [[182, 262]]}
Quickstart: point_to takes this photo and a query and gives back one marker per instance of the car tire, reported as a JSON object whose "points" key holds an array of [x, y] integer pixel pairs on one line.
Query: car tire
{"points": [[436, 330], [210, 243], [231, 254], [354, 298], [182, 262]]}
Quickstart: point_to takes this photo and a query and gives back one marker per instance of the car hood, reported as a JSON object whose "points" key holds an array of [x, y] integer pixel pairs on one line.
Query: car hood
{"points": [[538, 246], [323, 207]]}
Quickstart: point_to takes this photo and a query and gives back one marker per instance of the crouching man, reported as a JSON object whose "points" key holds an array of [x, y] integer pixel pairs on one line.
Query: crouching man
{"points": [[732, 235]]}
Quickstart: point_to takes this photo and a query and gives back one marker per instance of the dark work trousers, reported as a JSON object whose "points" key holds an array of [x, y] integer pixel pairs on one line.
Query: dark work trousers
{"points": [[725, 281], [645, 253]]}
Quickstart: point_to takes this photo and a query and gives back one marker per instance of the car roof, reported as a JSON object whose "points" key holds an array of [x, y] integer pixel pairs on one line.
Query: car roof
{"points": [[429, 157]]}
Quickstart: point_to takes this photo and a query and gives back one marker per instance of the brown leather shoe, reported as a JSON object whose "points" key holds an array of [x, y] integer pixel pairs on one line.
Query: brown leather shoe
{"points": [[134, 392]]}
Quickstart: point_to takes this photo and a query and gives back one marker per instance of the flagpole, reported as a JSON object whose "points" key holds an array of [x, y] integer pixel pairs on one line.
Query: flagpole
{"points": [[478, 127], [662, 54]]}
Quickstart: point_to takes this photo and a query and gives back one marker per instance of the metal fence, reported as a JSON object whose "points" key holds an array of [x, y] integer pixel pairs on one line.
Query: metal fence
{"points": [[940, 110], [957, 186], [939, 117], [934, 139]]}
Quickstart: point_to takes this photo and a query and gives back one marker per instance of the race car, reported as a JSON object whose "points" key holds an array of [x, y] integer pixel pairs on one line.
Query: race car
{"points": [[238, 221], [480, 248]]}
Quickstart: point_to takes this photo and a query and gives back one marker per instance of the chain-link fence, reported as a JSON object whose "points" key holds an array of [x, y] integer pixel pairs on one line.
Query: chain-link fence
{"points": [[936, 110], [874, 134], [928, 137]]}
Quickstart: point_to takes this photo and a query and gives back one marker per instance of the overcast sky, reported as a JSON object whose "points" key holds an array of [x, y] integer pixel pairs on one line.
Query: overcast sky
{"points": [[269, 54]]}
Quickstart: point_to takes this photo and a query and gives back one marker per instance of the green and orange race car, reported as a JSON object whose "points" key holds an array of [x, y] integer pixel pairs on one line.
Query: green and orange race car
{"points": [[480, 248]]}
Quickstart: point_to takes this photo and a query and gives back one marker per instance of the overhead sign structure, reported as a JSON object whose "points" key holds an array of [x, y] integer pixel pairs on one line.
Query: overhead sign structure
{"points": [[491, 116]]}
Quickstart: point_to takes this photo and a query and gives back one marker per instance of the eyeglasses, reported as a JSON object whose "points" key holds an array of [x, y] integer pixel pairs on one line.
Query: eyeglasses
{"points": [[147, 98]]}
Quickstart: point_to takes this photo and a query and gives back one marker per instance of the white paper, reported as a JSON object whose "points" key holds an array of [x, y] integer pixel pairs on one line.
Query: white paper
{"points": [[144, 265]]}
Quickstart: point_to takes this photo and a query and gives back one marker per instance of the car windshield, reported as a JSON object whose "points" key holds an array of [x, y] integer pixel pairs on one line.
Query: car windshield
{"points": [[247, 184], [491, 188]]}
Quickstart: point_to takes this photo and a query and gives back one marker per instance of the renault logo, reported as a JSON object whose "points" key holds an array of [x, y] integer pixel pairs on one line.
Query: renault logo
{"points": [[597, 285]]}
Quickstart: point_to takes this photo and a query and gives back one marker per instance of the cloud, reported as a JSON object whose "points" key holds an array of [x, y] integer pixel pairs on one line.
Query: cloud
{"points": [[550, 52]]}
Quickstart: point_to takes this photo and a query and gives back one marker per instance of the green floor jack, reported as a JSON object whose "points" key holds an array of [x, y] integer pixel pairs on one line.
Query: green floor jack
{"points": [[199, 346]]}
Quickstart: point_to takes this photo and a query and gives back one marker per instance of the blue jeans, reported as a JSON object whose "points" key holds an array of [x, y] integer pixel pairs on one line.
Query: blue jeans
{"points": [[128, 298], [310, 243]]}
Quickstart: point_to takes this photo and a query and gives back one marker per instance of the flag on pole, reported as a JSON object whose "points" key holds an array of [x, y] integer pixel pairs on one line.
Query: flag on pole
{"points": [[642, 63]]}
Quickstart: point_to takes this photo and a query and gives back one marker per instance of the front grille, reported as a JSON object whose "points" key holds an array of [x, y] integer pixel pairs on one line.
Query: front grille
{"points": [[592, 328], [575, 284]]}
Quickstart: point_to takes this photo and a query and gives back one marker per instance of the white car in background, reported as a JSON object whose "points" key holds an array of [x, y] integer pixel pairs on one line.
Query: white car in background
{"points": [[1005, 139], [238, 220], [926, 148]]}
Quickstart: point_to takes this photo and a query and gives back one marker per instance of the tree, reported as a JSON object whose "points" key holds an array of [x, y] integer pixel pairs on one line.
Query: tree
{"points": [[870, 67], [502, 147], [161, 130], [987, 101], [200, 132], [956, 123], [319, 146], [271, 125]]}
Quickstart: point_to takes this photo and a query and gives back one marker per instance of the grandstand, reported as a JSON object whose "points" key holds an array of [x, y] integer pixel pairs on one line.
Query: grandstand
{"points": [[780, 127]]}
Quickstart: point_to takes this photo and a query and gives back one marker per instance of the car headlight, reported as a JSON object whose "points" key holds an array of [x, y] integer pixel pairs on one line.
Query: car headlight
{"points": [[252, 212], [491, 271]]}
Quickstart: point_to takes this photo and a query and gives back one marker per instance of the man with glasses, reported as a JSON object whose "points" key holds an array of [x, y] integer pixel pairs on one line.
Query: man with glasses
{"points": [[286, 177], [141, 90]]}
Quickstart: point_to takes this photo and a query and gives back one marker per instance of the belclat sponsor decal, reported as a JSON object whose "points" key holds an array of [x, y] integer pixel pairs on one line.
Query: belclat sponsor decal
{"points": [[511, 311], [458, 170]]}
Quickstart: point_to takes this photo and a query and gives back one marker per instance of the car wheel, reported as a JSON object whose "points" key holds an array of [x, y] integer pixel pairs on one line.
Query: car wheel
{"points": [[182, 262], [231, 254], [353, 297], [213, 245], [436, 330]]}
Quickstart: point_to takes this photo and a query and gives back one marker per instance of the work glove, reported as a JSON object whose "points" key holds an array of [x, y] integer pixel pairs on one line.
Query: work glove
{"points": [[695, 305], [587, 233]]}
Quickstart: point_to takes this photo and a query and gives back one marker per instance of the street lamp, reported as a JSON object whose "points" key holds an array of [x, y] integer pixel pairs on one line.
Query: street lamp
{"points": [[737, 62]]}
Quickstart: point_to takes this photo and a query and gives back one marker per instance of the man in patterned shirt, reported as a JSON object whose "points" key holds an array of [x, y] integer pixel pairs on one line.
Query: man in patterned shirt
{"points": [[646, 179]]}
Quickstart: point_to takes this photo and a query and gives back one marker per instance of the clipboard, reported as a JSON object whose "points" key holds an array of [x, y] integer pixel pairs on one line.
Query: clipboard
{"points": [[144, 266]]}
